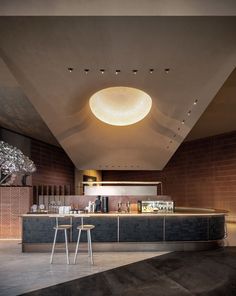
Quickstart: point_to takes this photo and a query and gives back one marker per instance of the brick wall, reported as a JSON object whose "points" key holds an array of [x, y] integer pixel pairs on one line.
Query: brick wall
{"points": [[53, 165], [53, 168], [14, 201], [202, 173]]}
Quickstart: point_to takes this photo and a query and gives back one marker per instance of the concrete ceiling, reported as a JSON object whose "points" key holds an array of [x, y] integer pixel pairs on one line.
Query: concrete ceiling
{"points": [[17, 113], [118, 8], [200, 52], [220, 115]]}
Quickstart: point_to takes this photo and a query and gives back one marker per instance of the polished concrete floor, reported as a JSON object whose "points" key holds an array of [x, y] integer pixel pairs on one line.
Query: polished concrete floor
{"points": [[24, 272]]}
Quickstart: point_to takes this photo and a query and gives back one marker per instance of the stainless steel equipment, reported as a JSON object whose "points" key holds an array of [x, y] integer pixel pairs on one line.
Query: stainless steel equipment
{"points": [[157, 206]]}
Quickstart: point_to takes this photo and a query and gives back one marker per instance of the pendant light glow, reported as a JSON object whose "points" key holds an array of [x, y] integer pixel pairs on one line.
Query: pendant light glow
{"points": [[120, 105]]}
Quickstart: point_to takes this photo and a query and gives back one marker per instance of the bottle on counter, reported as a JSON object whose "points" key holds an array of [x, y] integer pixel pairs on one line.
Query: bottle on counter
{"points": [[139, 206], [128, 207], [119, 207], [89, 206], [71, 209], [98, 204], [93, 207]]}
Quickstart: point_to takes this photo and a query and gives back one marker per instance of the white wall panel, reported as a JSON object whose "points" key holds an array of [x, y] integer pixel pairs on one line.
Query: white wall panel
{"points": [[120, 190]]}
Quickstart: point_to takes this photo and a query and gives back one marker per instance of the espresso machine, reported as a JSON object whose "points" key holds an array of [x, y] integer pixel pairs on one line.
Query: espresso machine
{"points": [[104, 204]]}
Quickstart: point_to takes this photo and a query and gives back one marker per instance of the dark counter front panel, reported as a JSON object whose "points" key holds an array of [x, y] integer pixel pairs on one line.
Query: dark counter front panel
{"points": [[105, 229], [216, 227], [194, 228], [140, 229], [40, 230], [128, 228], [186, 228]]}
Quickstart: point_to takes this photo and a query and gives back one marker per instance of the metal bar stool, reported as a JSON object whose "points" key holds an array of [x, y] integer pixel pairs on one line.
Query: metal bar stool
{"points": [[87, 228], [57, 228]]}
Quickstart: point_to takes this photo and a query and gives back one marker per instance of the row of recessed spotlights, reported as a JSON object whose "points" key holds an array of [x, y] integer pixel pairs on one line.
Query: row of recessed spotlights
{"points": [[183, 122], [119, 166], [117, 71]]}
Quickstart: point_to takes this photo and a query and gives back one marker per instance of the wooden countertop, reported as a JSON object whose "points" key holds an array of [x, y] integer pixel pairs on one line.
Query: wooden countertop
{"points": [[179, 211]]}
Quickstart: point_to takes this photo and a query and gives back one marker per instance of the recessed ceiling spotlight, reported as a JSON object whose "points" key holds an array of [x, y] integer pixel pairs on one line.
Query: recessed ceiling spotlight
{"points": [[117, 72], [167, 70], [189, 112], [183, 121], [86, 71], [135, 72], [102, 71], [151, 71], [195, 102], [70, 69]]}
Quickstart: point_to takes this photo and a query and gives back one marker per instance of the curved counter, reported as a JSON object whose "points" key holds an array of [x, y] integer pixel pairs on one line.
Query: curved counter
{"points": [[191, 228]]}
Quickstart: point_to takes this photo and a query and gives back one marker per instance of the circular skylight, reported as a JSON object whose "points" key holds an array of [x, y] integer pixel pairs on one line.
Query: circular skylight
{"points": [[120, 105]]}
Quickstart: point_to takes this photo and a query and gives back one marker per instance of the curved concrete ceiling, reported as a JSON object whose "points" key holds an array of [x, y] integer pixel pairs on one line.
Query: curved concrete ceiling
{"points": [[118, 8], [199, 51], [220, 115]]}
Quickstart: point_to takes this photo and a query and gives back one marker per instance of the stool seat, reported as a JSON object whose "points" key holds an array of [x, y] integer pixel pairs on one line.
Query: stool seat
{"points": [[62, 227], [85, 227]]}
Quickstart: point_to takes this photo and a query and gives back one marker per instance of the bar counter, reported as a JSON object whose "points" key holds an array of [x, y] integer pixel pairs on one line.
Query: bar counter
{"points": [[179, 211], [186, 228]]}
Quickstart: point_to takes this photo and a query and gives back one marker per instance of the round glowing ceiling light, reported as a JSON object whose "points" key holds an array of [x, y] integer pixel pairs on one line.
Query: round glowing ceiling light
{"points": [[120, 105]]}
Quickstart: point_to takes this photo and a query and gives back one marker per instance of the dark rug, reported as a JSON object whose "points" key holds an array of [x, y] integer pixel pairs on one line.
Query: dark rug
{"points": [[210, 273]]}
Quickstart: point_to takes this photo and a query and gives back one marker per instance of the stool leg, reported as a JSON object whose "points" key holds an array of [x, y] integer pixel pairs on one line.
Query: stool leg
{"points": [[88, 239], [77, 246], [53, 246], [67, 252], [90, 247]]}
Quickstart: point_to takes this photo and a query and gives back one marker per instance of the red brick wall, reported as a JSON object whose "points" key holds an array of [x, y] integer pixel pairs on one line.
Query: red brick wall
{"points": [[53, 165], [14, 201], [202, 173]]}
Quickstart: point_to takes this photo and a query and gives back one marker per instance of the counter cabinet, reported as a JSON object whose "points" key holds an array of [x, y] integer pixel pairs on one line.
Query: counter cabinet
{"points": [[128, 228]]}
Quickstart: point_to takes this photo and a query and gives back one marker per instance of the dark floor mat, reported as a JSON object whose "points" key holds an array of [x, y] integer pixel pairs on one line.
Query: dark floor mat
{"points": [[210, 273]]}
